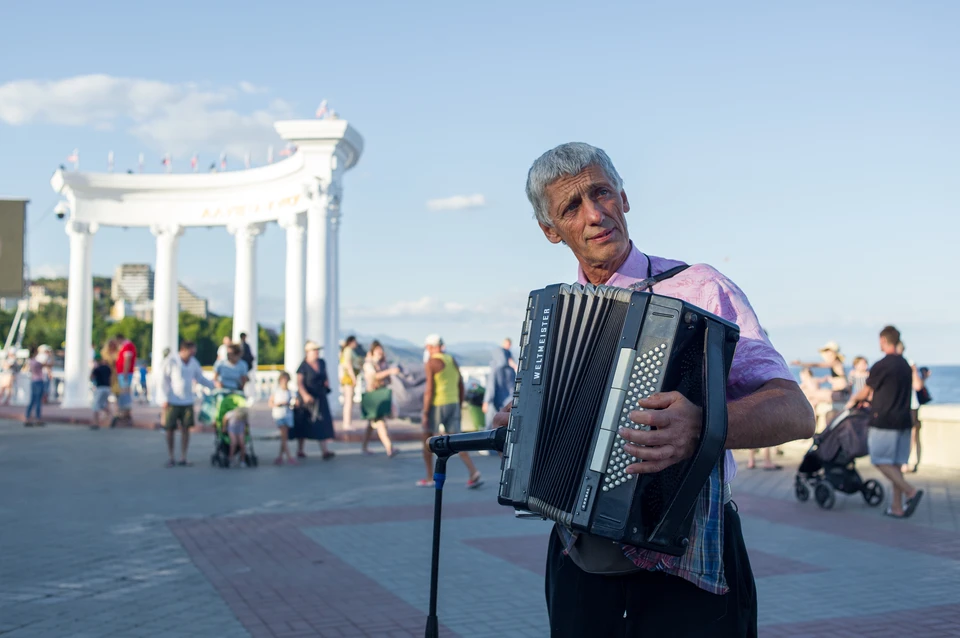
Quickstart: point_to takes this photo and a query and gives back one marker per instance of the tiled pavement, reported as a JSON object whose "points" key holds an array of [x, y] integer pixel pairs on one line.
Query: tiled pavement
{"points": [[97, 539]]}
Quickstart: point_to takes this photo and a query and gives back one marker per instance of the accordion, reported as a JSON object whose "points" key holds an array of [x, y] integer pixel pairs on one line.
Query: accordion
{"points": [[588, 355]]}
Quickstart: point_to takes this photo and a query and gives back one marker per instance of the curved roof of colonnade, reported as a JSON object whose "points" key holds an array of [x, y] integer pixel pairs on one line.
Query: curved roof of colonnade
{"points": [[216, 199]]}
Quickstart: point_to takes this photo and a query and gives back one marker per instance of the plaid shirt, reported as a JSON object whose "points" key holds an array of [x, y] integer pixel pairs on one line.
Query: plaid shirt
{"points": [[755, 362], [702, 563]]}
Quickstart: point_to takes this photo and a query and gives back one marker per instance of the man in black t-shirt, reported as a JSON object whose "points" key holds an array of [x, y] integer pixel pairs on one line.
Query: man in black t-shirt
{"points": [[888, 389]]}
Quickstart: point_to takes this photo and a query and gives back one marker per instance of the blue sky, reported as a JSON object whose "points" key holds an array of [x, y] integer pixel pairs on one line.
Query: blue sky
{"points": [[808, 151]]}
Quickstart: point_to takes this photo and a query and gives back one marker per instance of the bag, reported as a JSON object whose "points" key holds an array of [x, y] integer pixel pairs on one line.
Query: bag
{"points": [[923, 396], [208, 410], [377, 404]]}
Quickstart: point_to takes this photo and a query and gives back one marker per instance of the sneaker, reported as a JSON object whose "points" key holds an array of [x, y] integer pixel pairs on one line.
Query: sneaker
{"points": [[243, 464], [475, 481], [292, 461]]}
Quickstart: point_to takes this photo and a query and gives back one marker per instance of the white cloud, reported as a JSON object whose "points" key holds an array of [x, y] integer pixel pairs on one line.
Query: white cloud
{"points": [[433, 308], [457, 202], [177, 118], [48, 271], [250, 88]]}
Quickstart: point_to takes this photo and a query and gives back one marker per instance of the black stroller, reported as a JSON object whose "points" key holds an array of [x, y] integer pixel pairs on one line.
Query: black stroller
{"points": [[830, 465]]}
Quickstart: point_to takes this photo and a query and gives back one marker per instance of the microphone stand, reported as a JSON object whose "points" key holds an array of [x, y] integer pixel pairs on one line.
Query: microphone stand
{"points": [[445, 447], [439, 476]]}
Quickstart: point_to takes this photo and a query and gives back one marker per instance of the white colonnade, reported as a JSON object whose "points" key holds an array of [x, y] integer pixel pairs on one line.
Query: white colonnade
{"points": [[302, 193]]}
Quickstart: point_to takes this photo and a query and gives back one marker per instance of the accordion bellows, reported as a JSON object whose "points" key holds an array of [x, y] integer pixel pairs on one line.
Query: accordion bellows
{"points": [[588, 354]]}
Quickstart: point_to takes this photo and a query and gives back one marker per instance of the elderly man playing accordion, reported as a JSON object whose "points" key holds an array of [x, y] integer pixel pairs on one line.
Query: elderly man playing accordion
{"points": [[578, 199]]}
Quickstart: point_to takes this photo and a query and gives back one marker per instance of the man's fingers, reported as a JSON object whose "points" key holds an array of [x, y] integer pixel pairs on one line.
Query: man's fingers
{"points": [[647, 437], [502, 418], [651, 454], [647, 467], [660, 400], [654, 418]]}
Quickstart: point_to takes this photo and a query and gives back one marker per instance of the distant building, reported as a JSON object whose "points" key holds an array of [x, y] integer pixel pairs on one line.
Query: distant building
{"points": [[142, 310], [191, 303], [132, 293], [132, 283], [38, 297]]}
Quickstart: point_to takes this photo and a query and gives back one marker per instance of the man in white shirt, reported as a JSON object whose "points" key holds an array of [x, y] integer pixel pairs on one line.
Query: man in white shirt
{"points": [[224, 348], [178, 373]]}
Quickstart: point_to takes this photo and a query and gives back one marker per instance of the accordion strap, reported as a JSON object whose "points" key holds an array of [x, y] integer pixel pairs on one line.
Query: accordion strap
{"points": [[652, 279]]}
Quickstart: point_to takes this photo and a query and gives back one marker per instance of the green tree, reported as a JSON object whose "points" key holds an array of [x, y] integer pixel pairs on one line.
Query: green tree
{"points": [[137, 331]]}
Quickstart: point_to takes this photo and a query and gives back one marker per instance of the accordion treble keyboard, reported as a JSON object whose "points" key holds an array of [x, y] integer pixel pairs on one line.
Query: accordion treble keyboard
{"points": [[588, 355]]}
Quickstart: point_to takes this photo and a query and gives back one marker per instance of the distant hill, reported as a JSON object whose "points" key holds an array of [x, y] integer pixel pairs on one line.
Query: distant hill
{"points": [[410, 354]]}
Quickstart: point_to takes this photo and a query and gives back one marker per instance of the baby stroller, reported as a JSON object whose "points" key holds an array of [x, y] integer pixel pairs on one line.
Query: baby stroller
{"points": [[829, 465], [215, 405]]}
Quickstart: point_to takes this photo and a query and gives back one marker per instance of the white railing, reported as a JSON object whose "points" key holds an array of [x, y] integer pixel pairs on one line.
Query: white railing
{"points": [[259, 388]]}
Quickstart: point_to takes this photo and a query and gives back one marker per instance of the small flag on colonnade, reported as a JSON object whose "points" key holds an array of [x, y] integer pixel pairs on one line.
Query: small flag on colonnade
{"points": [[110, 162], [223, 161], [140, 162], [270, 154], [246, 160], [194, 161], [75, 158], [168, 162]]}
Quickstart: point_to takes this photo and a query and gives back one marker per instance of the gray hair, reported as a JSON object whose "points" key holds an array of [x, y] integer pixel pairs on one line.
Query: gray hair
{"points": [[566, 159]]}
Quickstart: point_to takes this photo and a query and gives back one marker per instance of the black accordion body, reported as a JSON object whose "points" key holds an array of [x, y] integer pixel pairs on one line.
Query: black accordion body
{"points": [[588, 354]]}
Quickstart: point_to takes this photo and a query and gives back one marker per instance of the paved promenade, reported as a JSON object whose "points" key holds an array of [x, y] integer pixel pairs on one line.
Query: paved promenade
{"points": [[98, 539]]}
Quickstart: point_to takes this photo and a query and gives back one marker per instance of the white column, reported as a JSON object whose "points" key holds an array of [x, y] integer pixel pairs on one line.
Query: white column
{"points": [[317, 275], [333, 296], [164, 297], [76, 365], [245, 283], [295, 315], [174, 323]]}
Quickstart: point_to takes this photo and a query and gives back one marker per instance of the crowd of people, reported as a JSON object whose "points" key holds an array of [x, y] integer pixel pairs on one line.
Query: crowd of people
{"points": [[301, 410], [831, 393]]}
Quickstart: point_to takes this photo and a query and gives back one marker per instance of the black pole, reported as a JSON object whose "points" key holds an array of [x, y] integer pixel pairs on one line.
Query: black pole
{"points": [[439, 476]]}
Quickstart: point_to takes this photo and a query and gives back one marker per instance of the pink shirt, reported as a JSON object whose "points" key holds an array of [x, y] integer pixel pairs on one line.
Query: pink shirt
{"points": [[36, 369], [755, 361]]}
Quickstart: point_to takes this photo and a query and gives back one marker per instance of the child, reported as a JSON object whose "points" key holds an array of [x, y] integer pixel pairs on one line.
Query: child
{"points": [[859, 374], [236, 420], [283, 416], [101, 377]]}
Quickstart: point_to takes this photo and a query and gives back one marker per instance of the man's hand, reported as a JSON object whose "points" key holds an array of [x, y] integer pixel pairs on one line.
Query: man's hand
{"points": [[485, 407], [502, 418], [677, 423]]}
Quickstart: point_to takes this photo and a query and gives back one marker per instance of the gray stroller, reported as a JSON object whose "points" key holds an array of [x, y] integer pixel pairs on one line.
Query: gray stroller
{"points": [[829, 465]]}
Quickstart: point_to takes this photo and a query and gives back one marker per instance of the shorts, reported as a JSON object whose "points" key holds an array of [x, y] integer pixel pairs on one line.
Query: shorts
{"points": [[125, 381], [101, 398], [237, 426], [889, 447], [446, 415], [124, 400], [178, 414], [285, 421]]}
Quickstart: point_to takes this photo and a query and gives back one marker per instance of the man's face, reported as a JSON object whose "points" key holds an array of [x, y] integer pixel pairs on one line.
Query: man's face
{"points": [[587, 213]]}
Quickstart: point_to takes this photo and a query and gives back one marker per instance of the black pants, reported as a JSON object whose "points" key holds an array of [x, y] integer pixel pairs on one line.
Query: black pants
{"points": [[585, 605]]}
